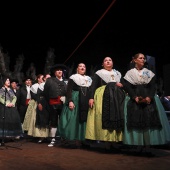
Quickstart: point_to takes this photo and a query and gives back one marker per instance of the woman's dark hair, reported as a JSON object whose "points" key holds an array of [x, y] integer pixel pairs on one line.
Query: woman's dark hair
{"points": [[132, 63]]}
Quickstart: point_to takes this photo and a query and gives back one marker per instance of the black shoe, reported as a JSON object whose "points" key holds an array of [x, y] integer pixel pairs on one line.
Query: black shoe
{"points": [[108, 151], [149, 154], [40, 141], [53, 141], [115, 150], [58, 138], [71, 146], [85, 146]]}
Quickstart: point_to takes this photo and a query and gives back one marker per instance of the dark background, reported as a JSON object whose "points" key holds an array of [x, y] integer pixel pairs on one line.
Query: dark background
{"points": [[86, 31]]}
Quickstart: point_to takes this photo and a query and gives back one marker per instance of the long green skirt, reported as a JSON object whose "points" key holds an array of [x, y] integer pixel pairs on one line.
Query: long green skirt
{"points": [[69, 126], [150, 136]]}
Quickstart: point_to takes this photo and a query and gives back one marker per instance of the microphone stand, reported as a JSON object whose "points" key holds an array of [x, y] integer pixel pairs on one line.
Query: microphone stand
{"points": [[3, 126]]}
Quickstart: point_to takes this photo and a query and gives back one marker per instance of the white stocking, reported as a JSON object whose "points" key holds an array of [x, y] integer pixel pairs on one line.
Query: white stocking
{"points": [[53, 132]]}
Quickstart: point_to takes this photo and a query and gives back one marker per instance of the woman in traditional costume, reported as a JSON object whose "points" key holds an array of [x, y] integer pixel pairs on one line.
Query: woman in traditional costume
{"points": [[73, 118], [105, 115], [146, 122]]}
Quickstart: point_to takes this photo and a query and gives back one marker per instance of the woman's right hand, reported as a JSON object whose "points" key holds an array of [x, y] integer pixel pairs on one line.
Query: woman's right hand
{"points": [[137, 99], [91, 103]]}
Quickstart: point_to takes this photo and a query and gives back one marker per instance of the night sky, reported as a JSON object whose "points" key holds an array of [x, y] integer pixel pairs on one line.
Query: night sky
{"points": [[86, 31]]}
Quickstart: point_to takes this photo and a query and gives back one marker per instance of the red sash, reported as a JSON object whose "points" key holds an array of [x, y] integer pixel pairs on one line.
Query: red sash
{"points": [[55, 101], [27, 101]]}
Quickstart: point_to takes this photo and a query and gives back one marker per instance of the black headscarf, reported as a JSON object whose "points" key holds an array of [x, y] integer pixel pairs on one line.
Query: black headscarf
{"points": [[3, 79]]}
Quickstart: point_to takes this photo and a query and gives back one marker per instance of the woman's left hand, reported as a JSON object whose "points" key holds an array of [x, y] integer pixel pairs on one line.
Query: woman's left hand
{"points": [[71, 105]]}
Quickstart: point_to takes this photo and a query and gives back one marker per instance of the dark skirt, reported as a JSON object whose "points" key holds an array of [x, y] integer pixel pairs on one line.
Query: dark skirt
{"points": [[42, 117], [10, 124]]}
